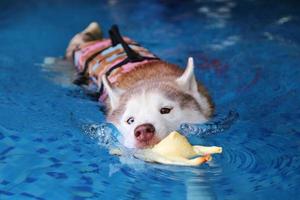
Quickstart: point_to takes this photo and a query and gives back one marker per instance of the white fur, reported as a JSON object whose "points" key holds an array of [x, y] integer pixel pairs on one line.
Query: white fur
{"points": [[145, 108], [187, 82], [113, 93]]}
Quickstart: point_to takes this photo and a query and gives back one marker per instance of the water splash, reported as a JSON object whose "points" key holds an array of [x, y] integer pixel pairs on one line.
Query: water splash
{"points": [[217, 125], [105, 134], [108, 136]]}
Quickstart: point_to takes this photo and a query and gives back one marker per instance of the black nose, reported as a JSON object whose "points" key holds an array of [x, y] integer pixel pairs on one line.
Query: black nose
{"points": [[144, 132]]}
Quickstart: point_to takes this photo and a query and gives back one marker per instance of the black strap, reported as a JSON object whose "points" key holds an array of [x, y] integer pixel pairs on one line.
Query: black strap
{"points": [[114, 42], [125, 61], [87, 62], [116, 38]]}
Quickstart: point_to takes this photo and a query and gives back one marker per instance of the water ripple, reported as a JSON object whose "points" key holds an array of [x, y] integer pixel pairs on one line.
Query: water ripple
{"points": [[262, 161], [243, 158], [217, 125]]}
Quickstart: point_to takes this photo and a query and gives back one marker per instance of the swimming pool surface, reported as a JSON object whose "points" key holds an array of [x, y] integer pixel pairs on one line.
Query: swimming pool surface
{"points": [[246, 52]]}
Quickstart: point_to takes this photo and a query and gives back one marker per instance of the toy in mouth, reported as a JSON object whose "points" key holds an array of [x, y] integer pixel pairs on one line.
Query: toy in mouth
{"points": [[174, 150], [147, 144]]}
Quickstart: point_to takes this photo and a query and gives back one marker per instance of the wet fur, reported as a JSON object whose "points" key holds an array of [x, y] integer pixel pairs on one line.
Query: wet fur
{"points": [[141, 93], [150, 76]]}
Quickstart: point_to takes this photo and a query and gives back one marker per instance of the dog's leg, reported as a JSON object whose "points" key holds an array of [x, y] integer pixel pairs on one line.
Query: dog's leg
{"points": [[202, 150]]}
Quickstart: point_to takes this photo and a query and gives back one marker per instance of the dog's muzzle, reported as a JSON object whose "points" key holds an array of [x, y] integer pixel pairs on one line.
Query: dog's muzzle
{"points": [[144, 132]]}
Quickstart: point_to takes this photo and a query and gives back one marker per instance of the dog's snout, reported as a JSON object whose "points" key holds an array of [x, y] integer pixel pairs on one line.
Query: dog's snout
{"points": [[144, 132]]}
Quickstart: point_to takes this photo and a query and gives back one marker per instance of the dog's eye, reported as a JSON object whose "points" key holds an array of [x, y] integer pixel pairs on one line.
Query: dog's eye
{"points": [[130, 120], [165, 110]]}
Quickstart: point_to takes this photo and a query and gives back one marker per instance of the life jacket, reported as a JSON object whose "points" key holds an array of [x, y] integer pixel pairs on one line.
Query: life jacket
{"points": [[111, 57]]}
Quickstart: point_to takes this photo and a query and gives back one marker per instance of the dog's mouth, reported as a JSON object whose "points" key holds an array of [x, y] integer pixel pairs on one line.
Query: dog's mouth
{"points": [[147, 144]]}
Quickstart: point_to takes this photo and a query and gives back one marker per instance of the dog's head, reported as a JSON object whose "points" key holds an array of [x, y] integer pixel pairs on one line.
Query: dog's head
{"points": [[148, 111]]}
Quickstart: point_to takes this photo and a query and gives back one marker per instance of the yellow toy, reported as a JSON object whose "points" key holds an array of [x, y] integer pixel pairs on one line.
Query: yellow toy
{"points": [[174, 150]]}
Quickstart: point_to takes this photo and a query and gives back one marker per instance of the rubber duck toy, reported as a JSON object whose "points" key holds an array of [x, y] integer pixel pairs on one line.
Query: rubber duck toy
{"points": [[175, 149]]}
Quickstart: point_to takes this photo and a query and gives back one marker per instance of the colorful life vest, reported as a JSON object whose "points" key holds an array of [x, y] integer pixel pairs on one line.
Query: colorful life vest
{"points": [[112, 57]]}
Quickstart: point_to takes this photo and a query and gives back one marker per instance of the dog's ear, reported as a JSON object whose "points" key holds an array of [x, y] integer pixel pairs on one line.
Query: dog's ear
{"points": [[114, 93], [187, 80]]}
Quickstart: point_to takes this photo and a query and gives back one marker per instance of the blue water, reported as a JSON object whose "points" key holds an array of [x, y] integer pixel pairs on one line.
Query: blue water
{"points": [[247, 53]]}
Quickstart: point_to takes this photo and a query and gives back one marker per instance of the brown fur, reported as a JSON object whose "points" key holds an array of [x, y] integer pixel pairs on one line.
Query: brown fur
{"points": [[170, 91], [154, 75], [157, 73]]}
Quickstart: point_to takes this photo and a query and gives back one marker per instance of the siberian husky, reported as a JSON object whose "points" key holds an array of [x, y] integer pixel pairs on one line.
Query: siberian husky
{"points": [[146, 98]]}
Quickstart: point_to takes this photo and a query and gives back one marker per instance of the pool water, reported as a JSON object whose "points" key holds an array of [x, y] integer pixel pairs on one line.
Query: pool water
{"points": [[247, 53]]}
